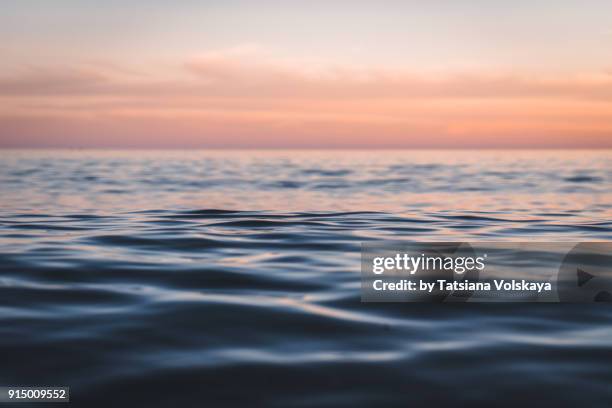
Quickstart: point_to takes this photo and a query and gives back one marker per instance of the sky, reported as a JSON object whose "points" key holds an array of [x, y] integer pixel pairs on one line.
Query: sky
{"points": [[306, 74]]}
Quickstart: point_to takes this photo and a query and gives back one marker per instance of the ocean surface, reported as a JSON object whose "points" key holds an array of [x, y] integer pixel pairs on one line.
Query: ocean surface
{"points": [[212, 278]]}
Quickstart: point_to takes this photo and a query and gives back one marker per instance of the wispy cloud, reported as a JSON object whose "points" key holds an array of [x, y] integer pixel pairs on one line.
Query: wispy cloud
{"points": [[248, 96], [248, 74]]}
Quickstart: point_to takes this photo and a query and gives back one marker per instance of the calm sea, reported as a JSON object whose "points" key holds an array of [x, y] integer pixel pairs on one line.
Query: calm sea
{"points": [[144, 278]]}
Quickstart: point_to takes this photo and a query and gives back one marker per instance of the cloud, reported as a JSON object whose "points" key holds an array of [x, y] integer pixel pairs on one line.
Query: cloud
{"points": [[249, 96], [53, 81], [247, 72], [259, 75]]}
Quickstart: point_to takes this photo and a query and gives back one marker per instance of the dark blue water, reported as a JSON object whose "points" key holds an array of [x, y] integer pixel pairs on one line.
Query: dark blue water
{"points": [[232, 278]]}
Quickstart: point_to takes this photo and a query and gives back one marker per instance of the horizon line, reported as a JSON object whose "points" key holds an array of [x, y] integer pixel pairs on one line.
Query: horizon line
{"points": [[236, 148]]}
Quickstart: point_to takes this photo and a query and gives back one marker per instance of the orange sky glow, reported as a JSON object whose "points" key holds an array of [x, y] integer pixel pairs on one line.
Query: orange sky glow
{"points": [[229, 94]]}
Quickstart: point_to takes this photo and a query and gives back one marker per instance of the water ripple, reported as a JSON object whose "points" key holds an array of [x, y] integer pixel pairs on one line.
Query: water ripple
{"points": [[234, 278]]}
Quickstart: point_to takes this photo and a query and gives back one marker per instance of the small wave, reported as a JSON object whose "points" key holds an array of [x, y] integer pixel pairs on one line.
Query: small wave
{"points": [[583, 179]]}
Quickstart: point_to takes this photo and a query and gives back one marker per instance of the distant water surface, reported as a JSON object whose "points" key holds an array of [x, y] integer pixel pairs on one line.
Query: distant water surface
{"points": [[232, 277]]}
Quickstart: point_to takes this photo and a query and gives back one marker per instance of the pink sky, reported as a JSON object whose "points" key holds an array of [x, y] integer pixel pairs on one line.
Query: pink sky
{"points": [[245, 88]]}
